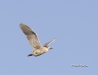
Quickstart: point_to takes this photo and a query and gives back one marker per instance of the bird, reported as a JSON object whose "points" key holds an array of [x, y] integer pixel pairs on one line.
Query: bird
{"points": [[37, 48]]}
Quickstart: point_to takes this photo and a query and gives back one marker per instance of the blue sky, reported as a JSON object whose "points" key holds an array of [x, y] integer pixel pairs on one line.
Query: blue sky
{"points": [[73, 22]]}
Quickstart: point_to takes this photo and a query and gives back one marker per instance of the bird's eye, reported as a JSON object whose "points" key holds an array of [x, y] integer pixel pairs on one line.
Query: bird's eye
{"points": [[36, 52]]}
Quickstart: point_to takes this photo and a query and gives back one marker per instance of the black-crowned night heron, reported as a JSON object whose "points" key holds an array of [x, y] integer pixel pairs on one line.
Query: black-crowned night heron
{"points": [[32, 37]]}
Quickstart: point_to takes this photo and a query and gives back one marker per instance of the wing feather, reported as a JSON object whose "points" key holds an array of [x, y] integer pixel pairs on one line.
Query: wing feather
{"points": [[31, 36], [47, 44]]}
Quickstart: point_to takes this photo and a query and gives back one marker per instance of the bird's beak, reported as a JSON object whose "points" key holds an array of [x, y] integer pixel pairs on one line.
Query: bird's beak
{"points": [[30, 55]]}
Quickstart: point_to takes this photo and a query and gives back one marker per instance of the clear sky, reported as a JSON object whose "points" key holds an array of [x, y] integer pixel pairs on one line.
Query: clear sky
{"points": [[73, 22]]}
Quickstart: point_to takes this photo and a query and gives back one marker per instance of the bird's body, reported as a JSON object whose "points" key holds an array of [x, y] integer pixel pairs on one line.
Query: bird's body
{"points": [[32, 37], [40, 51]]}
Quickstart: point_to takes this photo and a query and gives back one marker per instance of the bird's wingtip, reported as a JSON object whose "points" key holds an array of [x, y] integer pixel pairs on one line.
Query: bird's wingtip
{"points": [[56, 38], [22, 24]]}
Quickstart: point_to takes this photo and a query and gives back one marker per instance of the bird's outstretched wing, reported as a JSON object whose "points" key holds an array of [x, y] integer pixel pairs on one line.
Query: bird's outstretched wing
{"points": [[47, 44], [31, 36]]}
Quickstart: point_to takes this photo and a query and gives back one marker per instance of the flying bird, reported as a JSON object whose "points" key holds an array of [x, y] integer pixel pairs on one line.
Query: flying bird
{"points": [[32, 37]]}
